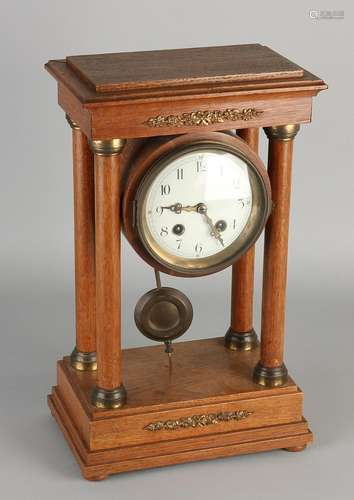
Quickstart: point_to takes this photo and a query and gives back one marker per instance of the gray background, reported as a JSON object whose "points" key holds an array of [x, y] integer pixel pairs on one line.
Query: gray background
{"points": [[37, 321]]}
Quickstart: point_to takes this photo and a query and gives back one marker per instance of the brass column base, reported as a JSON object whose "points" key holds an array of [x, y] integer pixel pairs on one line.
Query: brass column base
{"points": [[241, 341], [270, 377], [108, 399], [83, 361]]}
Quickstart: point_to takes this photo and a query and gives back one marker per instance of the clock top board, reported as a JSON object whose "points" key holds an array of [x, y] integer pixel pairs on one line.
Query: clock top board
{"points": [[233, 68]]}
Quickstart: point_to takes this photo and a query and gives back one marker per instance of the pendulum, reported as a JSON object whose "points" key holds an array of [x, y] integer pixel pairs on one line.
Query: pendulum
{"points": [[163, 314]]}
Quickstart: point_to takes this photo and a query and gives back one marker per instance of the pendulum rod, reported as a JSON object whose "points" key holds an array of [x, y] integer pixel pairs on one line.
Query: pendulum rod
{"points": [[157, 278]]}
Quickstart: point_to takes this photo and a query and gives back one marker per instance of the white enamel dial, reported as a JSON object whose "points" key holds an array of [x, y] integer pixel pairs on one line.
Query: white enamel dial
{"points": [[199, 203]]}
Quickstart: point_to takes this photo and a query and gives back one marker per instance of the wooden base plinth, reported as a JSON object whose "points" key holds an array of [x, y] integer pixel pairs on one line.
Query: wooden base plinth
{"points": [[203, 405]]}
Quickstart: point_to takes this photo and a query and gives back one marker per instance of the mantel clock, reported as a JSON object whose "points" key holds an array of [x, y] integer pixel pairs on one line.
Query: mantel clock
{"points": [[165, 151]]}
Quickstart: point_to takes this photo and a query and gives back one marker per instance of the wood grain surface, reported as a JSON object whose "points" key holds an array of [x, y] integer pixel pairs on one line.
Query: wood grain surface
{"points": [[202, 371], [106, 77], [117, 95], [242, 285], [129, 119], [206, 378], [108, 271], [181, 67], [84, 227], [276, 254]]}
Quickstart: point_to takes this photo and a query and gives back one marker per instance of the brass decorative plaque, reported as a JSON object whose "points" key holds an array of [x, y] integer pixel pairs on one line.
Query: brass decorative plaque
{"points": [[198, 420], [201, 118]]}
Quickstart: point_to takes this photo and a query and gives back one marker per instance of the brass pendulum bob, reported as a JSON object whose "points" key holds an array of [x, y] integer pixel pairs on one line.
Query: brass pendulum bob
{"points": [[163, 314]]}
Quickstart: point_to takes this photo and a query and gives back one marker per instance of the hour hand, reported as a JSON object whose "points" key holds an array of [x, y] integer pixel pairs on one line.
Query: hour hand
{"points": [[190, 208], [177, 208]]}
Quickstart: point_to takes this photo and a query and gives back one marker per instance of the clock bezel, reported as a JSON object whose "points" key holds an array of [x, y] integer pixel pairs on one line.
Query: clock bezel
{"points": [[133, 221]]}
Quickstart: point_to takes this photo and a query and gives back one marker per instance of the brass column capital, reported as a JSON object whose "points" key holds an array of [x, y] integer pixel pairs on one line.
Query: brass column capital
{"points": [[282, 132], [107, 147], [71, 122]]}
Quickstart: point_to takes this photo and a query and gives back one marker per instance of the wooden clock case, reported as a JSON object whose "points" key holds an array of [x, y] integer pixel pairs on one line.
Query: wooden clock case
{"points": [[126, 410], [141, 158]]}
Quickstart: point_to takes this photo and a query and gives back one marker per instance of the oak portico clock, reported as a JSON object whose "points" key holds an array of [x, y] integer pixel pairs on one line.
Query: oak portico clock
{"points": [[165, 150]]}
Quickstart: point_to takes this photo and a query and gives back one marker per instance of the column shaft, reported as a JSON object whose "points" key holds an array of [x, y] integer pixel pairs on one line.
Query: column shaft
{"points": [[241, 335], [84, 356], [109, 392], [271, 370]]}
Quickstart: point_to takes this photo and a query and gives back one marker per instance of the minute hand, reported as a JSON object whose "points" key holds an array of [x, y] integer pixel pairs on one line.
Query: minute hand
{"points": [[202, 209], [214, 231]]}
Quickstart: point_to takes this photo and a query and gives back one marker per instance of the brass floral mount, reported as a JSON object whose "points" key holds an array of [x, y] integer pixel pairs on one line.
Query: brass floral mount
{"points": [[198, 420], [200, 118]]}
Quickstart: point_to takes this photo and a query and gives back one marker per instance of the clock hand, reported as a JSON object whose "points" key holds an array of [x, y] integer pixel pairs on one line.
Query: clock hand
{"points": [[214, 231], [190, 208], [202, 209], [177, 208]]}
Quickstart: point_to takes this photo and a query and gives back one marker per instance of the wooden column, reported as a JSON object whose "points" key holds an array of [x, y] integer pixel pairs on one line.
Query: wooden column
{"points": [[83, 356], [271, 370], [109, 392], [241, 335]]}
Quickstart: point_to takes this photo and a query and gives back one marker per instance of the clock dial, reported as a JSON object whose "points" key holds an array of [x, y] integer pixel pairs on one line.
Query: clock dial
{"points": [[199, 204]]}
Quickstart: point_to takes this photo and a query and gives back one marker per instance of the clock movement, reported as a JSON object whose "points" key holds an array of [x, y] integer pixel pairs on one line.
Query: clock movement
{"points": [[165, 151]]}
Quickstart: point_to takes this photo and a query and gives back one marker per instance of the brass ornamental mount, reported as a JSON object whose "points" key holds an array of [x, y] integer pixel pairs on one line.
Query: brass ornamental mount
{"points": [[198, 420], [107, 147], [200, 118]]}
